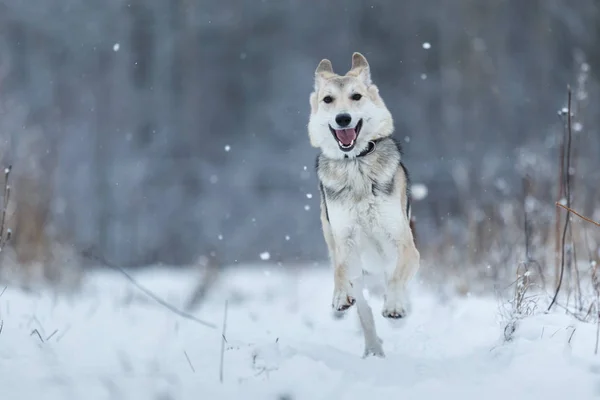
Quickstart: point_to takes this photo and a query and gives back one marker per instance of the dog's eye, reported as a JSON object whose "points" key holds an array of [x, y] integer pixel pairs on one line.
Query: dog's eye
{"points": [[327, 99], [356, 96]]}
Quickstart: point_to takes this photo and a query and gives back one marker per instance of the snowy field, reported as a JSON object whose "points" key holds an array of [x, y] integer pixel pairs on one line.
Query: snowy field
{"points": [[112, 342]]}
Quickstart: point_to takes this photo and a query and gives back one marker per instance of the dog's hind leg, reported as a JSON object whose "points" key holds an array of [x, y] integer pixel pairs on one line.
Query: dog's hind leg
{"points": [[396, 301], [365, 315], [408, 258]]}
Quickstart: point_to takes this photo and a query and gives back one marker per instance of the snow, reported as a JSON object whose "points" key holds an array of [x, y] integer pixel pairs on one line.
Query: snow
{"points": [[116, 47], [418, 191], [110, 341], [265, 255], [227, 147], [426, 45]]}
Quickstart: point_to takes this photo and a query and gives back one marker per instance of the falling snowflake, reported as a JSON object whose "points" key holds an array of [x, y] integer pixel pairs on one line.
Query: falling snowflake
{"points": [[426, 45], [265, 256], [227, 147], [309, 195], [116, 47], [307, 207], [418, 191]]}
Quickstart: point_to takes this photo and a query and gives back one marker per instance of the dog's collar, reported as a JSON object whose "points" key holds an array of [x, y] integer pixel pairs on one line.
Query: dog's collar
{"points": [[370, 148]]}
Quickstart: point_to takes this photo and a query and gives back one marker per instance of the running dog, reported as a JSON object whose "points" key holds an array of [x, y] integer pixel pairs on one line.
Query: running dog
{"points": [[365, 193]]}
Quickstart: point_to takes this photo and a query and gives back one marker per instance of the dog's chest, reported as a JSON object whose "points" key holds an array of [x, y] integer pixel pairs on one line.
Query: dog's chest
{"points": [[359, 202]]}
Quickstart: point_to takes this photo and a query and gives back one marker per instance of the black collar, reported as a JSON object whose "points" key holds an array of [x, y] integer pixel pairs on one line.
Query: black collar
{"points": [[370, 148]]}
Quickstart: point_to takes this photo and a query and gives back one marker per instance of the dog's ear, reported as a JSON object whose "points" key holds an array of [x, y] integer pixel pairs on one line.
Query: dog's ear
{"points": [[324, 67], [360, 68], [324, 71]]}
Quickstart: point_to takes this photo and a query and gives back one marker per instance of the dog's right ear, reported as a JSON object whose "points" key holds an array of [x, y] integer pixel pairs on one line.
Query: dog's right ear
{"points": [[324, 67], [324, 71]]}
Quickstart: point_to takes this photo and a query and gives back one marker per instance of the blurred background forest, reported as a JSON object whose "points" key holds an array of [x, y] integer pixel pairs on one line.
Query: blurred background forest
{"points": [[155, 131]]}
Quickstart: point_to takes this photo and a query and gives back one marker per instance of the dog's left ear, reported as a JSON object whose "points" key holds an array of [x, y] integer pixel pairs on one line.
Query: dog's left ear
{"points": [[360, 68]]}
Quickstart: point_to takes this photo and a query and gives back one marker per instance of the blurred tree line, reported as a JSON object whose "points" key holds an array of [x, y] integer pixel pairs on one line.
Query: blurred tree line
{"points": [[156, 131]]}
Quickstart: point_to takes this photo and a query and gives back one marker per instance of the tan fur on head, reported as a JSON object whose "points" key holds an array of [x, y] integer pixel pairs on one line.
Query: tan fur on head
{"points": [[356, 80]]}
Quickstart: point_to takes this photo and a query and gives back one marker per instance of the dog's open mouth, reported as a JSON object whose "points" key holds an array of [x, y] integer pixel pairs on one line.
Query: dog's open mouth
{"points": [[346, 138]]}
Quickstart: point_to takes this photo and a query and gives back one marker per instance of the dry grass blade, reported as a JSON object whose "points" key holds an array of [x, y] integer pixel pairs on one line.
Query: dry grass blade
{"points": [[596, 285], [189, 361], [568, 196], [5, 234], [209, 278], [149, 293], [223, 340]]}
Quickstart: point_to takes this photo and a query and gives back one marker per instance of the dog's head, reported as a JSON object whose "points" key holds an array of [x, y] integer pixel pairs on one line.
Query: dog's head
{"points": [[346, 111]]}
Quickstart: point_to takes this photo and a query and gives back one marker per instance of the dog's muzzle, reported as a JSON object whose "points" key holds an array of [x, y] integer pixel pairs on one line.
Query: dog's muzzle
{"points": [[346, 138]]}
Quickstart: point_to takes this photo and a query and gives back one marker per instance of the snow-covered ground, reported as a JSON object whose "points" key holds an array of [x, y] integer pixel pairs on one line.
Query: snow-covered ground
{"points": [[112, 342]]}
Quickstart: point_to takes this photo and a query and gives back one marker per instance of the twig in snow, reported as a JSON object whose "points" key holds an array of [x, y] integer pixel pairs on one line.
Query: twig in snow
{"points": [[568, 196], [572, 333], [38, 334], [1, 326], [3, 290], [52, 334], [149, 293], [223, 340], [189, 361]]}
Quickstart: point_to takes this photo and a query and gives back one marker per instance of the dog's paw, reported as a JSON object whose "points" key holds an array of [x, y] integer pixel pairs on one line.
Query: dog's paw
{"points": [[374, 349], [395, 306], [342, 300]]}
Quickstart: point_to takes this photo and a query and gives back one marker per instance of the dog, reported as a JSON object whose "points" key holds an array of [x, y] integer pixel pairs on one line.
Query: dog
{"points": [[364, 194]]}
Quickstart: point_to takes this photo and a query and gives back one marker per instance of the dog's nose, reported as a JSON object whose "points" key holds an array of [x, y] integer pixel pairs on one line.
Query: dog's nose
{"points": [[343, 120]]}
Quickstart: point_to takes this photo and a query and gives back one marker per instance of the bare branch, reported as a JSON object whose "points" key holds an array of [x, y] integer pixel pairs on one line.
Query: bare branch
{"points": [[579, 215]]}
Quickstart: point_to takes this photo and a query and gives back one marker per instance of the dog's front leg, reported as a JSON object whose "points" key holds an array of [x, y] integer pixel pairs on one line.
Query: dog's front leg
{"points": [[407, 264], [346, 270], [339, 251]]}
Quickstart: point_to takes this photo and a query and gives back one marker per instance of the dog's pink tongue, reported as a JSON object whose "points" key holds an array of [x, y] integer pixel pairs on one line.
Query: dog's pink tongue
{"points": [[345, 136]]}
